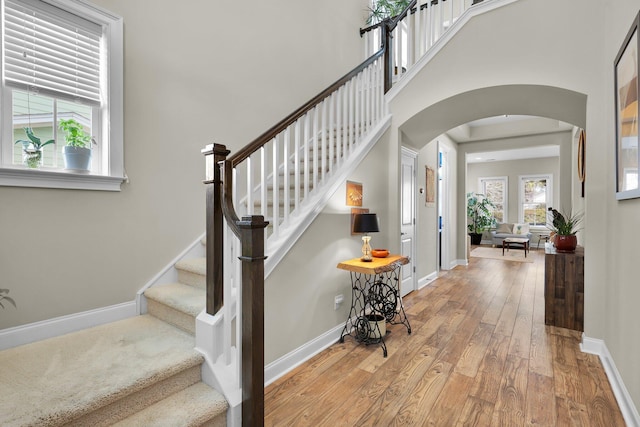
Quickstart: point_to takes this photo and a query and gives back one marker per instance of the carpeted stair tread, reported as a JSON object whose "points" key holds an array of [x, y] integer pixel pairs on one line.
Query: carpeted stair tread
{"points": [[54, 381], [193, 406], [193, 265], [187, 299]]}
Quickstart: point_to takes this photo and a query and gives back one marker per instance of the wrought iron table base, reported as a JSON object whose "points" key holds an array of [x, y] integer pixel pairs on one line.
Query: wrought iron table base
{"points": [[374, 299]]}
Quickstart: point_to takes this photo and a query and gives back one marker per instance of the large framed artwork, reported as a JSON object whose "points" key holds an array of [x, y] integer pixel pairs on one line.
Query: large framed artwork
{"points": [[626, 83]]}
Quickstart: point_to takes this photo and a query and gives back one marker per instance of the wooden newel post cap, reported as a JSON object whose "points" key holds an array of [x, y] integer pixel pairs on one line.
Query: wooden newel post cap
{"points": [[254, 221], [213, 153]]}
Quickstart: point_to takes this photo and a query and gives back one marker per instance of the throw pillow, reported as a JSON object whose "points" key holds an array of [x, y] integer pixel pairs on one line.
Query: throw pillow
{"points": [[504, 228], [521, 228]]}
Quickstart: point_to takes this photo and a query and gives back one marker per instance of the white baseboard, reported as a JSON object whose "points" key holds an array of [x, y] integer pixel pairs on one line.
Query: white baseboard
{"points": [[427, 279], [461, 262], [278, 368], [25, 334], [627, 407]]}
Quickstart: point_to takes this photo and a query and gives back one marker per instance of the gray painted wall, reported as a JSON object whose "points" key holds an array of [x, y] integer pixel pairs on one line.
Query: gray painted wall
{"points": [[196, 73]]}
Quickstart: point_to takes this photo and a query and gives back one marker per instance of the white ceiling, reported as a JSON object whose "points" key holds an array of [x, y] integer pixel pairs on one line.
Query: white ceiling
{"points": [[515, 154], [508, 126]]}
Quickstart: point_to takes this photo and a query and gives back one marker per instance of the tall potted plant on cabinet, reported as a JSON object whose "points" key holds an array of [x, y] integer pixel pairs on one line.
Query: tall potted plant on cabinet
{"points": [[480, 216], [77, 151], [564, 226]]}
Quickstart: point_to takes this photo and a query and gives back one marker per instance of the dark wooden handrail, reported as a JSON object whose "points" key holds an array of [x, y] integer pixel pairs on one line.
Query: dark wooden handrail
{"points": [[257, 143]]}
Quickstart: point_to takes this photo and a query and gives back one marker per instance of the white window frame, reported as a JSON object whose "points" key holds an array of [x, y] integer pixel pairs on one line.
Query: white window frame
{"points": [[548, 195], [110, 114], [505, 202]]}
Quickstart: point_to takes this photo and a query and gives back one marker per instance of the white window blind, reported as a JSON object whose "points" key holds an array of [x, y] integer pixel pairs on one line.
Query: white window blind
{"points": [[51, 51]]}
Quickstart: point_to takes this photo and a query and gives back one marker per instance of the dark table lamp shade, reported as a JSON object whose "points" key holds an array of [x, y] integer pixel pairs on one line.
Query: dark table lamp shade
{"points": [[366, 223]]}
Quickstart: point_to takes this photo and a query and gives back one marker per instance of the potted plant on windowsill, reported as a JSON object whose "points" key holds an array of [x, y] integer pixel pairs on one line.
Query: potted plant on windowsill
{"points": [[77, 151], [480, 216], [565, 226], [32, 149]]}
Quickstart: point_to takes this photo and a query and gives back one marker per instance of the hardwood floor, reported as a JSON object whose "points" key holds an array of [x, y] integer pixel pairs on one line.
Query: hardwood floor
{"points": [[479, 355]]}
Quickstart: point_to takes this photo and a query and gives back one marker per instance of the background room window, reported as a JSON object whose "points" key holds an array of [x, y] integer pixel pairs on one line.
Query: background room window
{"points": [[61, 60], [496, 190], [535, 197]]}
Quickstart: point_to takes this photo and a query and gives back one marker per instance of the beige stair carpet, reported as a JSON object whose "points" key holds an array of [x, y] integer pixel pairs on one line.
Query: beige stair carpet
{"points": [[55, 381]]}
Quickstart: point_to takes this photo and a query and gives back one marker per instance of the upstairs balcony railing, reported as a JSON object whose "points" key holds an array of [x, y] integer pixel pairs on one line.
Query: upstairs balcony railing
{"points": [[258, 193]]}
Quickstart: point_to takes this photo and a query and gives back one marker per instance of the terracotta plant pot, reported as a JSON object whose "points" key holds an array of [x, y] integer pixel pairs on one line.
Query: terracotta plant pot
{"points": [[565, 243]]}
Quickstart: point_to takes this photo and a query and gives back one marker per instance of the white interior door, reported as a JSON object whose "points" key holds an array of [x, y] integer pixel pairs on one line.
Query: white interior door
{"points": [[408, 221]]}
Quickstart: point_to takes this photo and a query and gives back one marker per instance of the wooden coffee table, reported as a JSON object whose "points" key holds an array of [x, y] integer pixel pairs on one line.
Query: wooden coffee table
{"points": [[514, 242]]}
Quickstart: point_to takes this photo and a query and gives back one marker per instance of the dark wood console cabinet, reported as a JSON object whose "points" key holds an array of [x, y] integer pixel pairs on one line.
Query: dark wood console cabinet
{"points": [[564, 288]]}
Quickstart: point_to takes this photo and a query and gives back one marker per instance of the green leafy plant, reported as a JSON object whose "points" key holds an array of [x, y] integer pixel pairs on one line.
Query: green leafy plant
{"points": [[4, 297], [383, 9], [75, 136], [33, 143], [480, 213], [564, 224], [32, 148]]}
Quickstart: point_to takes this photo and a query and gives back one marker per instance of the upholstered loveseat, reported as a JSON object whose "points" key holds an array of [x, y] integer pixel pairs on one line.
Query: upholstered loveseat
{"points": [[506, 230]]}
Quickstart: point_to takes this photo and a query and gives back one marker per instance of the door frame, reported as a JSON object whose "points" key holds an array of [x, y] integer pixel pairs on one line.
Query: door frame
{"points": [[405, 151], [444, 207]]}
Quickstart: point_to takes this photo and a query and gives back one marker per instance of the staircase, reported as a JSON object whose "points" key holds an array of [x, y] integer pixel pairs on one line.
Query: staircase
{"points": [[148, 370], [141, 371]]}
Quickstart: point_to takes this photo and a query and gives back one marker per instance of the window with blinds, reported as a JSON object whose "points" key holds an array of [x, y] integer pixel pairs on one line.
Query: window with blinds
{"points": [[61, 60], [51, 51]]}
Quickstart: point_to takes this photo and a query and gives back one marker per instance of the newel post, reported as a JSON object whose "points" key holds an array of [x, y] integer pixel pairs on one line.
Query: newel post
{"points": [[214, 154], [252, 238]]}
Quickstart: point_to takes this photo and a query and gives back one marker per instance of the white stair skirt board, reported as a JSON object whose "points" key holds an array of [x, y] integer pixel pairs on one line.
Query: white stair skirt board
{"points": [[415, 69], [25, 334], [627, 407], [169, 274]]}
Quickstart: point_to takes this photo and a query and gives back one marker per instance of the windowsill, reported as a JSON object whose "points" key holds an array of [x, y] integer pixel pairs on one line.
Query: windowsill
{"points": [[53, 178]]}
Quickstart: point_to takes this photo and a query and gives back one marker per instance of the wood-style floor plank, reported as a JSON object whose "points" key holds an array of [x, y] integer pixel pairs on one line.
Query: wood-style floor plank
{"points": [[479, 355]]}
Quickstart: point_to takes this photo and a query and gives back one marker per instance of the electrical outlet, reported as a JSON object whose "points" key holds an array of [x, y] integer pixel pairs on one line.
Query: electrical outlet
{"points": [[339, 299]]}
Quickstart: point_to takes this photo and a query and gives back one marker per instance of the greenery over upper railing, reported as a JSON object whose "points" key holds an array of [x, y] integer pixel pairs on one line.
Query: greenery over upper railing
{"points": [[384, 9]]}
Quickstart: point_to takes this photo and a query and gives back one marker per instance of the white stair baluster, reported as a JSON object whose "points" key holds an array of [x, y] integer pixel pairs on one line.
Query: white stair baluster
{"points": [[285, 178], [409, 32], [331, 130], [323, 138], [339, 125], [228, 312], [450, 13], [263, 180], [417, 28], [369, 121], [305, 153], [276, 187], [441, 23], [314, 137], [296, 162], [249, 186]]}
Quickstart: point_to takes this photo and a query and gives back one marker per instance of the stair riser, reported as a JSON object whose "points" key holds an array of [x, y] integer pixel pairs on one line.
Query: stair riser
{"points": [[138, 400], [172, 316], [192, 279]]}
